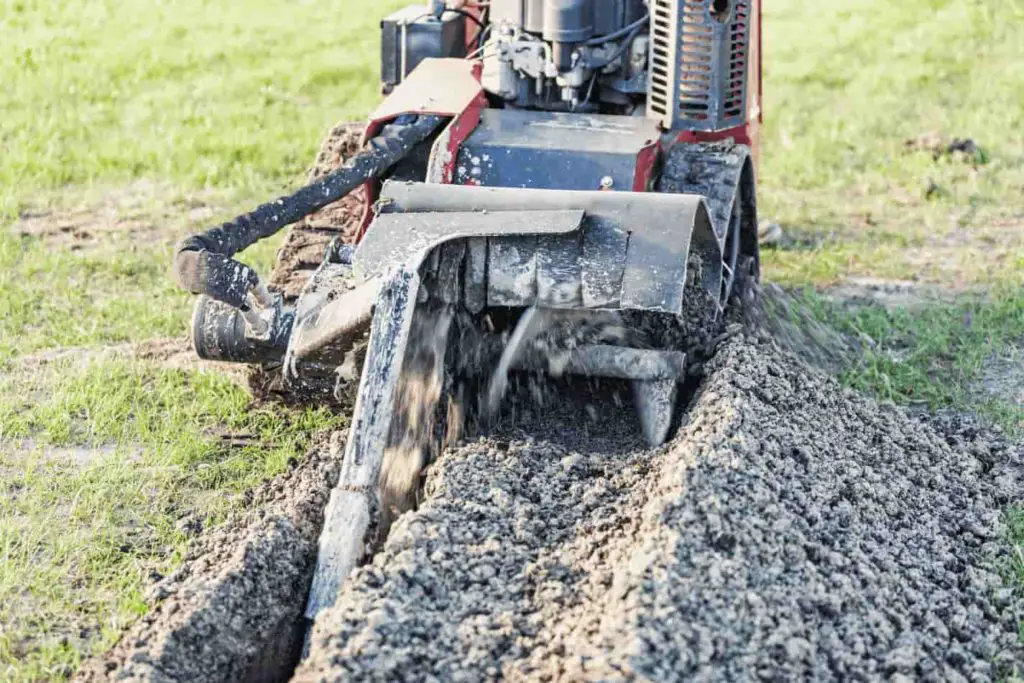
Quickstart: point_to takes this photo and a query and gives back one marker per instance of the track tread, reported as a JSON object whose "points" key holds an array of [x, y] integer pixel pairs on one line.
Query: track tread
{"points": [[709, 169]]}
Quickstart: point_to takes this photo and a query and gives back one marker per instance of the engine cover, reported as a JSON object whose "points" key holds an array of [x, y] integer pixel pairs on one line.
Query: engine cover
{"points": [[535, 149]]}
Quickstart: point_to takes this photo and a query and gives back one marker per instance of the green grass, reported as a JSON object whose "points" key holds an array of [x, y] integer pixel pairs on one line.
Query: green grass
{"points": [[937, 355], [192, 92], [106, 297], [118, 460], [114, 293], [223, 105], [846, 85], [213, 106], [1015, 523], [194, 96]]}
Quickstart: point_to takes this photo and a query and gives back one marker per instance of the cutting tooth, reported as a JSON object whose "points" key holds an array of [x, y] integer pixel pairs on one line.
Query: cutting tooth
{"points": [[655, 401], [530, 324]]}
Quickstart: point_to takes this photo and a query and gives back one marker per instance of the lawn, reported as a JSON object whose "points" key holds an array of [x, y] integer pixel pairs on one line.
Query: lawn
{"points": [[127, 124]]}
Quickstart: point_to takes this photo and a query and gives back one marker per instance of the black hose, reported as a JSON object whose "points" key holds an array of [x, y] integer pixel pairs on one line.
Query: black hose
{"points": [[203, 263], [478, 40], [597, 40], [470, 16], [623, 46]]}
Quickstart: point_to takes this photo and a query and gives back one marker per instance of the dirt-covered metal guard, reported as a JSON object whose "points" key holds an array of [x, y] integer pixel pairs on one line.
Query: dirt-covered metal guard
{"points": [[353, 501], [433, 229]]}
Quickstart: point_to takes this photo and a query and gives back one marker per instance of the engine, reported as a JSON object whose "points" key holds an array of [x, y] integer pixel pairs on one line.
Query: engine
{"points": [[688, 64], [568, 54]]}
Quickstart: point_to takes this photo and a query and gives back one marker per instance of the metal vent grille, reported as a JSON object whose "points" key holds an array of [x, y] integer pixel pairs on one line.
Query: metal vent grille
{"points": [[661, 94], [697, 62], [698, 68], [734, 95]]}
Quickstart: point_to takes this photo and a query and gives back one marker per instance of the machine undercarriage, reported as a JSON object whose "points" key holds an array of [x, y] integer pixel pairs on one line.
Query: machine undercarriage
{"points": [[551, 188]]}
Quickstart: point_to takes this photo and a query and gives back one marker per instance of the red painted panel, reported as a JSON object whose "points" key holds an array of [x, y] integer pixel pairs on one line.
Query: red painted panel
{"points": [[645, 161], [449, 87]]}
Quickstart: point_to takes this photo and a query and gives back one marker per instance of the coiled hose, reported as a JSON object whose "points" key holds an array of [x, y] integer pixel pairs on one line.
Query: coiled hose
{"points": [[203, 263]]}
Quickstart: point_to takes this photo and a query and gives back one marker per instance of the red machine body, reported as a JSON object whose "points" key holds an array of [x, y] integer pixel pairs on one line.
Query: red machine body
{"points": [[454, 87]]}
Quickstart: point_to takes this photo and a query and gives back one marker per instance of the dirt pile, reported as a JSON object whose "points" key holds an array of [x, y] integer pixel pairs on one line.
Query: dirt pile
{"points": [[792, 529], [233, 610]]}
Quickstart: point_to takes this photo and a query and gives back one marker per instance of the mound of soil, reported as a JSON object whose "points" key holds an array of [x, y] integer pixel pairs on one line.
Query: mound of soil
{"points": [[233, 610], [792, 529]]}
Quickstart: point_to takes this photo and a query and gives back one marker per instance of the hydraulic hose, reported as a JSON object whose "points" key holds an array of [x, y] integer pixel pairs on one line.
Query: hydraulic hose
{"points": [[621, 32], [203, 263]]}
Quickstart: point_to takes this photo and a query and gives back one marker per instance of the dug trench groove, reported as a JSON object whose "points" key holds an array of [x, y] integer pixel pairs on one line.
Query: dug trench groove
{"points": [[233, 610], [791, 529]]}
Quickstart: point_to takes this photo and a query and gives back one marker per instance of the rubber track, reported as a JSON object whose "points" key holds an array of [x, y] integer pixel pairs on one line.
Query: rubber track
{"points": [[709, 169]]}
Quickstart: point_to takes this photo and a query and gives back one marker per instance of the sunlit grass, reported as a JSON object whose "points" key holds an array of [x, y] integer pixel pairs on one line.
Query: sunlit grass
{"points": [[107, 466], [192, 93], [847, 84], [224, 105]]}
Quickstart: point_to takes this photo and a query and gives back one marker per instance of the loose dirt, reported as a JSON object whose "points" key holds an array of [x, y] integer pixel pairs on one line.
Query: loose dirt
{"points": [[964, 150], [1003, 377], [792, 529], [304, 250], [139, 214], [233, 610], [895, 294]]}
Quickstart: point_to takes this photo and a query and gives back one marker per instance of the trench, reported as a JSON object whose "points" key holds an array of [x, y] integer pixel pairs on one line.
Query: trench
{"points": [[790, 527], [234, 610]]}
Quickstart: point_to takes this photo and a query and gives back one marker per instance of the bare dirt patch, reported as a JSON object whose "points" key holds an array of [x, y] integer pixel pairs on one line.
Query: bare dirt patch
{"points": [[962, 149], [1003, 377], [172, 354], [77, 355], [140, 212], [75, 456], [893, 294], [178, 354]]}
